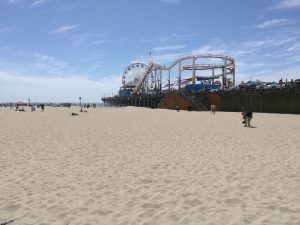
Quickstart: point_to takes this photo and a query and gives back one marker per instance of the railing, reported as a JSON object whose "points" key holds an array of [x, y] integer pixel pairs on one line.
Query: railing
{"points": [[198, 103]]}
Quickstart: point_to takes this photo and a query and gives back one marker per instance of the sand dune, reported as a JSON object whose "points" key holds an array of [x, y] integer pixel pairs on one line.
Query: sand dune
{"points": [[141, 166]]}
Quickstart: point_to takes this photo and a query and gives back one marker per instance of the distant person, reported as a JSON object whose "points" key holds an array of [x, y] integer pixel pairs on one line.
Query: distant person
{"points": [[177, 108], [82, 110], [249, 116], [32, 108], [43, 107], [22, 110], [211, 109], [214, 108]]}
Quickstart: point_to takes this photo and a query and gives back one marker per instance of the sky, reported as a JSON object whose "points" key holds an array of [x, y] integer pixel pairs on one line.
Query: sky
{"points": [[56, 51]]}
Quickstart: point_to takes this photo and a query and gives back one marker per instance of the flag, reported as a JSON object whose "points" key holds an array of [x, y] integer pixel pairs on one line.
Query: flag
{"points": [[165, 87]]}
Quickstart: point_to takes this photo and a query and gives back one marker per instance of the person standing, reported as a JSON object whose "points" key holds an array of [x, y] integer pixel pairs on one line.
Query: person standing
{"points": [[249, 116], [214, 109], [32, 108], [280, 82]]}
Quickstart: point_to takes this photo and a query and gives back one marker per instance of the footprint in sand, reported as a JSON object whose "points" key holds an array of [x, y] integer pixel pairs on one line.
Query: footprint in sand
{"points": [[11, 208], [192, 203], [233, 201], [151, 206], [146, 181], [285, 210], [101, 212]]}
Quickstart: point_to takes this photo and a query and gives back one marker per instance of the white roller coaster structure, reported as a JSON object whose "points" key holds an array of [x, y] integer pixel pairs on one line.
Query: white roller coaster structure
{"points": [[141, 78]]}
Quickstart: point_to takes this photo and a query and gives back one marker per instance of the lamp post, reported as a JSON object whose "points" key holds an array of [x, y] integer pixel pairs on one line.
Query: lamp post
{"points": [[179, 76]]}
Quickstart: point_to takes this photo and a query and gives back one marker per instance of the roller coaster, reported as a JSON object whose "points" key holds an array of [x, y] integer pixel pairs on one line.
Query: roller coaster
{"points": [[139, 78]]}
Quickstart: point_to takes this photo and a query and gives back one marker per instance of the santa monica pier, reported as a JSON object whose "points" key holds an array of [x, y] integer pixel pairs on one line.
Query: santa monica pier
{"points": [[196, 82]]}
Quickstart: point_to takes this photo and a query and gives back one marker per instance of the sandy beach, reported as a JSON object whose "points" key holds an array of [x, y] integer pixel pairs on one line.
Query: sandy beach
{"points": [[138, 166]]}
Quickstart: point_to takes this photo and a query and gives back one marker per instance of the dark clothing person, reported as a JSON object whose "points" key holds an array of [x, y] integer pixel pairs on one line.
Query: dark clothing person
{"points": [[249, 116]]}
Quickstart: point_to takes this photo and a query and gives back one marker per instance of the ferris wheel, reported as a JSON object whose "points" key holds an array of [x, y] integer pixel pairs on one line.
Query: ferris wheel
{"points": [[132, 74]]}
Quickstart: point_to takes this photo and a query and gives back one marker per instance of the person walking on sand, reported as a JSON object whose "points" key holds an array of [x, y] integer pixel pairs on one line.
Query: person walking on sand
{"points": [[247, 117], [32, 108]]}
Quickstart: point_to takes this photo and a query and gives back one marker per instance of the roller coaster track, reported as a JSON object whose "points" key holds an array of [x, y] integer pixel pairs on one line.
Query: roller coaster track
{"points": [[227, 58], [141, 81], [150, 67], [229, 66]]}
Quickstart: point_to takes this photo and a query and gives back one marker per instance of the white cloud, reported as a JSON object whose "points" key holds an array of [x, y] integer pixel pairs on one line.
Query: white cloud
{"points": [[270, 42], [56, 89], [174, 37], [268, 55], [88, 38], [171, 1], [44, 61], [65, 8], [96, 65], [38, 2], [64, 28], [33, 64], [6, 29], [167, 58], [13, 1], [210, 49], [32, 3], [286, 4], [160, 59], [167, 48], [273, 23], [295, 47], [99, 42]]}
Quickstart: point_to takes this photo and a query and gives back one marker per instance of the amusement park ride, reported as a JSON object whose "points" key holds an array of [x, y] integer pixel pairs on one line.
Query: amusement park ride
{"points": [[139, 78]]}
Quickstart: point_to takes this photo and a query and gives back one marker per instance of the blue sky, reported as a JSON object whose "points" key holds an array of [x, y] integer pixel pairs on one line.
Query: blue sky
{"points": [[53, 50]]}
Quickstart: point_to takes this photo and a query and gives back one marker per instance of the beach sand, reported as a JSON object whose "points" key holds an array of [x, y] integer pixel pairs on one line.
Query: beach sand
{"points": [[143, 166]]}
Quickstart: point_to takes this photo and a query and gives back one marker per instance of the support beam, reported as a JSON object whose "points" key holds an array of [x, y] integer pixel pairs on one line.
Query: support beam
{"points": [[169, 79], [194, 71], [155, 80], [179, 76], [225, 73], [233, 75], [160, 80]]}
